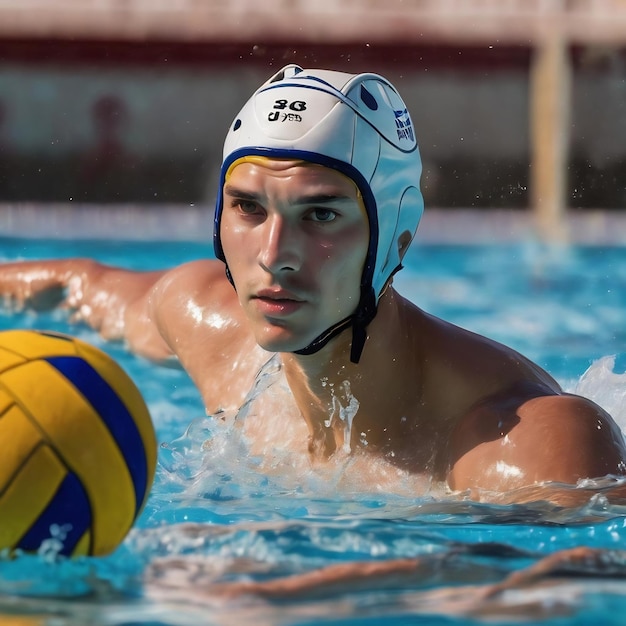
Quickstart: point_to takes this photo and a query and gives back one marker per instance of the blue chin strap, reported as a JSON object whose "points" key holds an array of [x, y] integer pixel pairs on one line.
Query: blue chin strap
{"points": [[359, 321], [368, 304]]}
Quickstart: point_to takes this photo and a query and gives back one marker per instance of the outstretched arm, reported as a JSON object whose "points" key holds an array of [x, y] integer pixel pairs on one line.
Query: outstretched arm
{"points": [[114, 301], [190, 311]]}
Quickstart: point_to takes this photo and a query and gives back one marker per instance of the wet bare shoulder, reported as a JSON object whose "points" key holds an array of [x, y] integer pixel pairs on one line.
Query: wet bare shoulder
{"points": [[472, 364], [199, 316], [527, 438]]}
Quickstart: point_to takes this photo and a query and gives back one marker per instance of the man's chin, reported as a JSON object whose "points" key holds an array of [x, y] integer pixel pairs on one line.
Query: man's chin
{"points": [[276, 337], [286, 347], [285, 343]]}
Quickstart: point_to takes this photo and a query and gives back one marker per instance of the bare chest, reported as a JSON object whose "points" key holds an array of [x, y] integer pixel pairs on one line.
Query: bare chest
{"points": [[390, 447]]}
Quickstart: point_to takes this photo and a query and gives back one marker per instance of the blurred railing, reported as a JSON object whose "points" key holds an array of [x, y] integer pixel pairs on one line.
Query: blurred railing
{"points": [[523, 21], [550, 27]]}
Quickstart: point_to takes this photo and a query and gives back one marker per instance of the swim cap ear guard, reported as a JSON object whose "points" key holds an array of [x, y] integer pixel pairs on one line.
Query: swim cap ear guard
{"points": [[358, 125]]}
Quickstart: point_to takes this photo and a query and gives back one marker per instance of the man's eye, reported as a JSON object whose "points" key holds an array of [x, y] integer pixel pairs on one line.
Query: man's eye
{"points": [[246, 206], [323, 215]]}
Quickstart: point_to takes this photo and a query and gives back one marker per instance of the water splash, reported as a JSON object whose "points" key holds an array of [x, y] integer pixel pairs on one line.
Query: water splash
{"points": [[607, 388], [267, 376], [345, 408], [51, 548]]}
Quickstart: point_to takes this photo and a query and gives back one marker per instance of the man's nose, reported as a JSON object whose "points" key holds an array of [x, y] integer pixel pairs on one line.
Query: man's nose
{"points": [[280, 248]]}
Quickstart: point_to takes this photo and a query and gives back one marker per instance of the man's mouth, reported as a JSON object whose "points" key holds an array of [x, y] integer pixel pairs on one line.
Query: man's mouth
{"points": [[277, 302]]}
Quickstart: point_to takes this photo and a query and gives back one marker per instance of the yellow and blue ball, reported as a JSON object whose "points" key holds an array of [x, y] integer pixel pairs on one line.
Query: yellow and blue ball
{"points": [[77, 445]]}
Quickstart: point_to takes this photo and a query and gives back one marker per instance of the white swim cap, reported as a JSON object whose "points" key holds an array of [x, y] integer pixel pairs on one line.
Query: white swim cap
{"points": [[358, 125]]}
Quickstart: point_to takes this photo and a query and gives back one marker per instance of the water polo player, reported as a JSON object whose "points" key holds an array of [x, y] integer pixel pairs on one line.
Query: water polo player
{"points": [[319, 200]]}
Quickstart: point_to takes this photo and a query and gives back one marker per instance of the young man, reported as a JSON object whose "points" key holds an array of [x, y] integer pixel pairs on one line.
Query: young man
{"points": [[319, 200]]}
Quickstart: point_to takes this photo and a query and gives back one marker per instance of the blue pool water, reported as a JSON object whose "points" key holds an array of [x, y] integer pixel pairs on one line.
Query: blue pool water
{"points": [[214, 517]]}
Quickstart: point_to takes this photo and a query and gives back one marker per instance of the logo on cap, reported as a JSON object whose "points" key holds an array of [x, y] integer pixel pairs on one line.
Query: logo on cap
{"points": [[284, 111], [403, 125]]}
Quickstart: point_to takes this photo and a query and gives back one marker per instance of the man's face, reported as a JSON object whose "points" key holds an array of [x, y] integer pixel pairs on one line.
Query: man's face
{"points": [[295, 237]]}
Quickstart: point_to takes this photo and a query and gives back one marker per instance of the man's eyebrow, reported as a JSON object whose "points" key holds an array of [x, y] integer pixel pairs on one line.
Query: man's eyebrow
{"points": [[240, 193], [315, 198], [323, 198]]}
